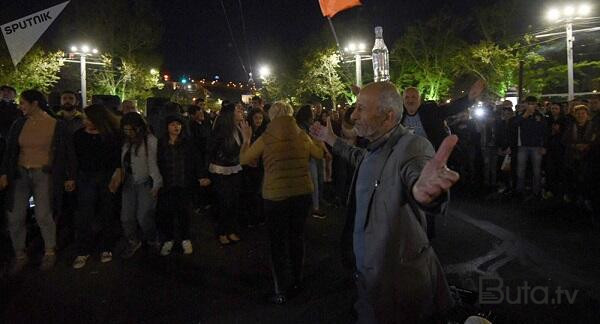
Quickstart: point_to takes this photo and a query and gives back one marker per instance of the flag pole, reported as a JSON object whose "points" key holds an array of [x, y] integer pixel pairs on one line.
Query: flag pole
{"points": [[337, 42]]}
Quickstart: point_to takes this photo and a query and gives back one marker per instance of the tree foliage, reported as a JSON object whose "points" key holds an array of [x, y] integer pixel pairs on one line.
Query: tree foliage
{"points": [[126, 79], [423, 56], [496, 64], [321, 77], [37, 70]]}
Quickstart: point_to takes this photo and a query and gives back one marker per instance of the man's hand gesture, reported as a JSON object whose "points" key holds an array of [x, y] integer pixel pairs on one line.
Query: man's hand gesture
{"points": [[323, 133], [436, 178]]}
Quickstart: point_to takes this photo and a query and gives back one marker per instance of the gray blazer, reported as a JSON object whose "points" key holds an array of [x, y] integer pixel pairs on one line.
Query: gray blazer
{"points": [[403, 279]]}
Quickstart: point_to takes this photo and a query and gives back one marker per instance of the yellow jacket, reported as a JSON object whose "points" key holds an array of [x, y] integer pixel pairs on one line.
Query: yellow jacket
{"points": [[285, 150]]}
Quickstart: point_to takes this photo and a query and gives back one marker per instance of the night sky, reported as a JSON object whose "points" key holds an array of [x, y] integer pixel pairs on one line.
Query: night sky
{"points": [[196, 40]]}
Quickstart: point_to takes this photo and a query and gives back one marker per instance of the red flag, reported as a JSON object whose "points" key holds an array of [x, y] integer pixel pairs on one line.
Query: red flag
{"points": [[331, 7]]}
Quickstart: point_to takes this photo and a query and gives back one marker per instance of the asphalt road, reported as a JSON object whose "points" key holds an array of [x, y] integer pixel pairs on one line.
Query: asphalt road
{"points": [[540, 245]]}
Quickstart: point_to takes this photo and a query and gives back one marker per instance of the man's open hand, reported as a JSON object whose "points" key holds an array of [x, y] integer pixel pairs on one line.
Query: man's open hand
{"points": [[323, 133], [436, 178]]}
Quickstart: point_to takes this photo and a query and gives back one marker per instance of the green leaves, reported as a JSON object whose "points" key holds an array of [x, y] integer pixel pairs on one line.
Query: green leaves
{"points": [[127, 79], [38, 70], [423, 56], [322, 77]]}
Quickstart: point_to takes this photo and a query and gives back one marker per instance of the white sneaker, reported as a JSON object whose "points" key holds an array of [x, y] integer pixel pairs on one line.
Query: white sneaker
{"points": [[187, 247], [80, 261], [166, 248], [106, 256]]}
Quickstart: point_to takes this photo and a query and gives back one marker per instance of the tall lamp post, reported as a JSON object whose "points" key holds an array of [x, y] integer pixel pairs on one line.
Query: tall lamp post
{"points": [[359, 52], [82, 52], [568, 15]]}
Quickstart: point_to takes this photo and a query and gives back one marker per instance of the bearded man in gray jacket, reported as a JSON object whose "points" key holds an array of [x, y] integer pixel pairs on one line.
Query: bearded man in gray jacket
{"points": [[398, 178]]}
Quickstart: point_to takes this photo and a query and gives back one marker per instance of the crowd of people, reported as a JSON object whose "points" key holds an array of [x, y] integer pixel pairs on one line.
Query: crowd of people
{"points": [[77, 169], [538, 150], [258, 163]]}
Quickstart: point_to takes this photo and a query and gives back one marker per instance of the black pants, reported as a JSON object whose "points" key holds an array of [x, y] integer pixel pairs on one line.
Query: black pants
{"points": [[252, 203], [285, 220], [174, 206], [95, 214], [227, 188]]}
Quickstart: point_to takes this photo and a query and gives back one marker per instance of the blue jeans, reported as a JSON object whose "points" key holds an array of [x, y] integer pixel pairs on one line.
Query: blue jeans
{"points": [[138, 206], [525, 154], [490, 165], [38, 183]]}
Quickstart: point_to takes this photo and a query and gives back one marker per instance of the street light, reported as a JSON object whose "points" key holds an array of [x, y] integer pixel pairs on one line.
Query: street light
{"points": [[83, 52], [357, 50], [264, 72], [567, 15]]}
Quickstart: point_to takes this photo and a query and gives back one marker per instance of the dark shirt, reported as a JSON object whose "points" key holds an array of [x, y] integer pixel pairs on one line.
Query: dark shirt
{"points": [[96, 153], [172, 166], [532, 131], [365, 179], [74, 123]]}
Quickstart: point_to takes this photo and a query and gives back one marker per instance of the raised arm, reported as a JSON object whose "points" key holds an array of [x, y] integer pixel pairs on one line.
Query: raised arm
{"points": [[462, 104], [350, 153]]}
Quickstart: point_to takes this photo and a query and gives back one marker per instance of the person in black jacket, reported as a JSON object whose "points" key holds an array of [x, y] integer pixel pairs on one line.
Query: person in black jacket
{"points": [[224, 164], [39, 159], [9, 112], [427, 119], [98, 150], [554, 166], [581, 141], [531, 139], [178, 166], [199, 131]]}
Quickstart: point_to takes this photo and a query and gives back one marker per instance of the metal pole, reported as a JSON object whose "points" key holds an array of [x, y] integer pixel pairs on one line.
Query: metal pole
{"points": [[358, 70], [570, 40], [83, 83]]}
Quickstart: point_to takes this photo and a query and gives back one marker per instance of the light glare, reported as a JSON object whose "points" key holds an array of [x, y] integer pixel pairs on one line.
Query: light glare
{"points": [[553, 14], [73, 48], [479, 112], [585, 10], [264, 72], [569, 11]]}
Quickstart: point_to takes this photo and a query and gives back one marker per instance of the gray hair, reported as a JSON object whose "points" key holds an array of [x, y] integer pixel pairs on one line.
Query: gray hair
{"points": [[390, 100]]}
